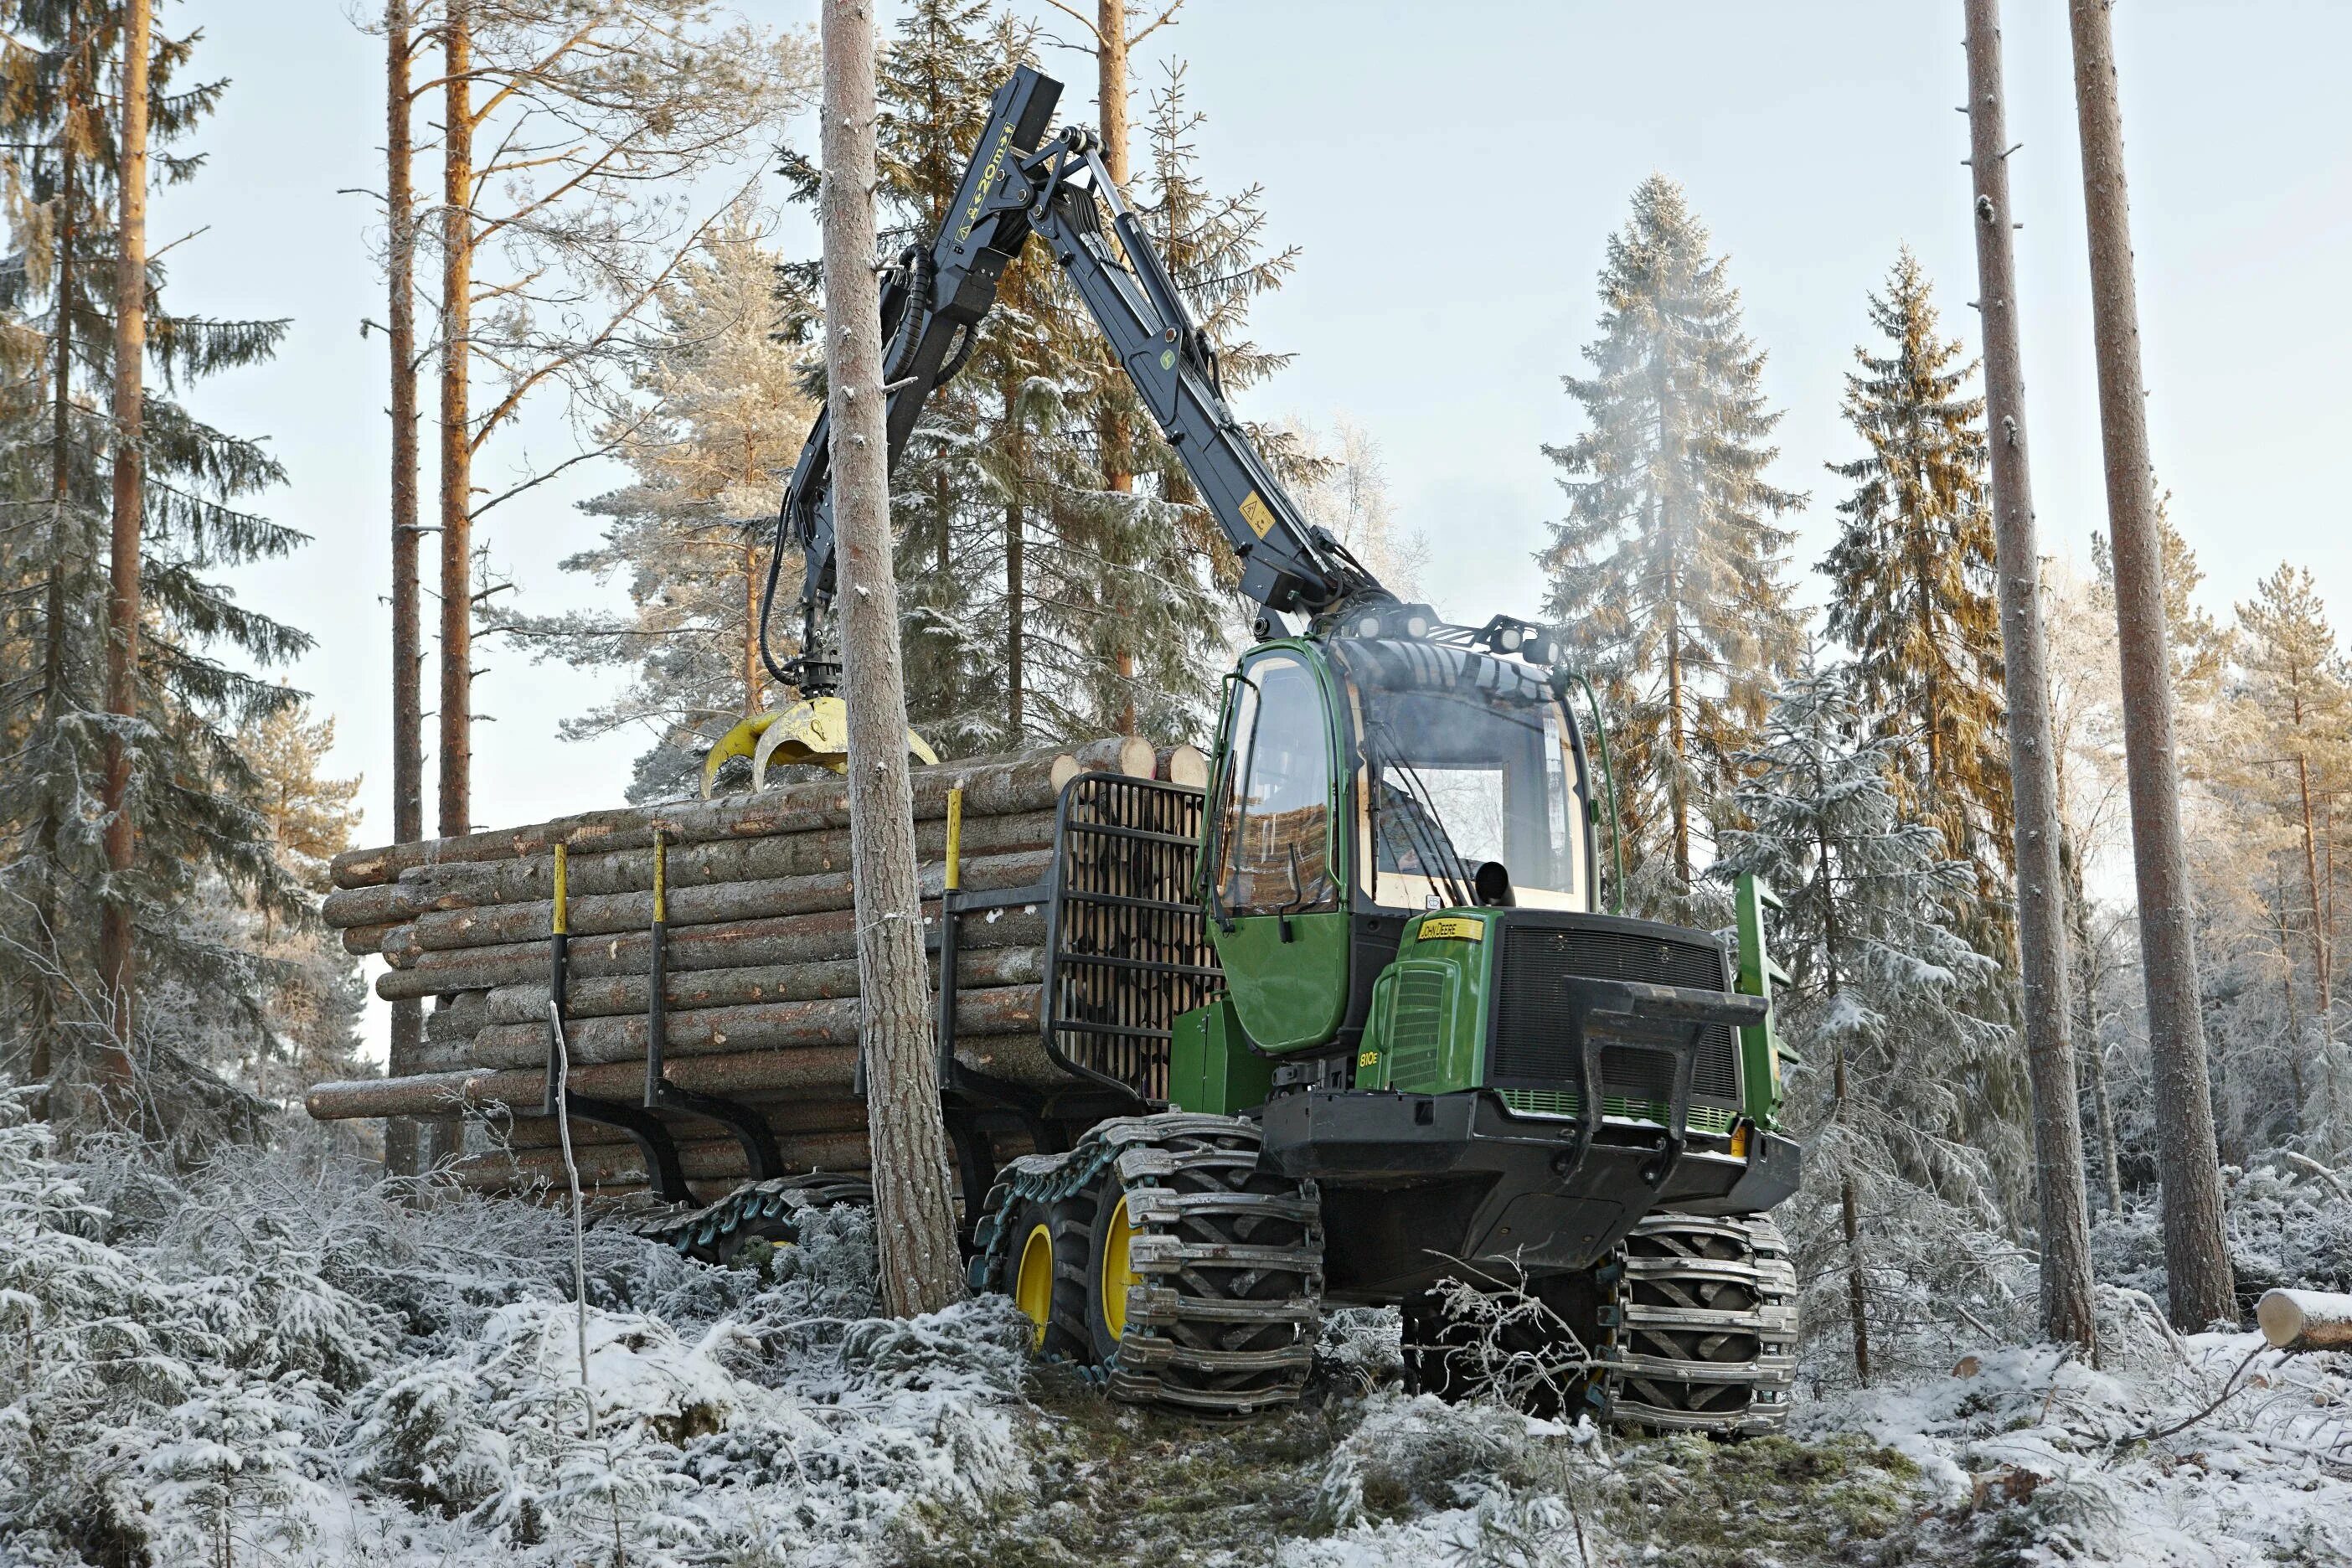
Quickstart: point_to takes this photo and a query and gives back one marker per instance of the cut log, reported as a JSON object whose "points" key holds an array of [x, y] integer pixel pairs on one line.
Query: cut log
{"points": [[615, 996], [703, 1160], [1187, 765], [425, 890], [2306, 1320], [459, 1018], [367, 941], [799, 1114], [765, 1025], [999, 787], [717, 904], [826, 1071], [825, 937]]}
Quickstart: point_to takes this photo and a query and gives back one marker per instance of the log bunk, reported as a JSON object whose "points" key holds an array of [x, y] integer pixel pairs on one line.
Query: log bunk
{"points": [[742, 1064]]}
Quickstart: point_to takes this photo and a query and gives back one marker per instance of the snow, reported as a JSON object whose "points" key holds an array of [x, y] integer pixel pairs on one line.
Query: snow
{"points": [[275, 1361]]}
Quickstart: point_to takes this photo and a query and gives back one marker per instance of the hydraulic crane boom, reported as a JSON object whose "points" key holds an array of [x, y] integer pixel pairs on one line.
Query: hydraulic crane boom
{"points": [[933, 302]]}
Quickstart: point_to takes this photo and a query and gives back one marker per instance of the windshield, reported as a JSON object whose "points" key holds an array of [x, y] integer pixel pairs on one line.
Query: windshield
{"points": [[1464, 759]]}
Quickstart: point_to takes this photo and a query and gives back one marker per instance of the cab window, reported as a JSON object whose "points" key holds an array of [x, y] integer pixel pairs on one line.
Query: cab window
{"points": [[1275, 819]]}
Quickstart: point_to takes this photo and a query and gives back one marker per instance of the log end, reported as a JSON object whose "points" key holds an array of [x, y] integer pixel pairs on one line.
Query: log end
{"points": [[1137, 758], [2306, 1320], [1187, 765]]}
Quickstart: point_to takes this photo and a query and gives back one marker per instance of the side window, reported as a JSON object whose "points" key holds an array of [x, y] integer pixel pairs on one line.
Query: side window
{"points": [[1274, 828]]}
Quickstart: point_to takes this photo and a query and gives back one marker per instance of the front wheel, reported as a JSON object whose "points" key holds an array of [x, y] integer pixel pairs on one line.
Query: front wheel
{"points": [[1197, 1275]]}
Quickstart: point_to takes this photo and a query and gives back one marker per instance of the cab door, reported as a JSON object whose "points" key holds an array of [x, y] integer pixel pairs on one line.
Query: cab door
{"points": [[1274, 868]]}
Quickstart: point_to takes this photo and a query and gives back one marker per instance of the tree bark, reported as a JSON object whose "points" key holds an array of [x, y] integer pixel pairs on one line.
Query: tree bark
{"points": [[115, 955], [2068, 1304], [457, 421], [2311, 879], [1117, 470], [1857, 1293], [41, 1059], [921, 1270], [406, 1143], [2196, 1266]]}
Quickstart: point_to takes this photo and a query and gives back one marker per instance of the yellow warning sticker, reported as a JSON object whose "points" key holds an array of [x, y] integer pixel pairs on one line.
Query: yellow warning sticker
{"points": [[1460, 928], [1257, 514]]}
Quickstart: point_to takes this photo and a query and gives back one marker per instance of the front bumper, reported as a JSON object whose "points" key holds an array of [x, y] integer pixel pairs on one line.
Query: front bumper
{"points": [[1414, 1183]]}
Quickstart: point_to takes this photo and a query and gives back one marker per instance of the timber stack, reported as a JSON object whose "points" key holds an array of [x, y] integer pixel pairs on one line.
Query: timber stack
{"points": [[757, 958]]}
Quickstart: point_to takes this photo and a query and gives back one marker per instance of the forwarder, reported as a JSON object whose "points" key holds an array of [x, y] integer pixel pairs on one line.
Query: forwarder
{"points": [[1348, 1024]]}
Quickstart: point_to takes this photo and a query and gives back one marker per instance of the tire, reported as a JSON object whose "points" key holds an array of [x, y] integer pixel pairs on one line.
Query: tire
{"points": [[1706, 1337], [1208, 1298], [1692, 1325], [1443, 1356], [768, 1211], [1056, 1302]]}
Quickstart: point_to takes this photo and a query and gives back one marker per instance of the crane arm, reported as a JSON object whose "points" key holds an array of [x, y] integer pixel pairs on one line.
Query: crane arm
{"points": [[934, 300]]}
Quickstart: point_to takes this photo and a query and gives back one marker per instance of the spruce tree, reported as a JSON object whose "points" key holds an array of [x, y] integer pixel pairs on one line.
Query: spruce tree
{"points": [[1909, 1099], [1912, 571], [1668, 575], [195, 797]]}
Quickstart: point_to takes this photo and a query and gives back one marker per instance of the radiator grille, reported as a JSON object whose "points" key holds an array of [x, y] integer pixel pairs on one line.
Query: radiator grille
{"points": [[1531, 1041], [1419, 1031]]}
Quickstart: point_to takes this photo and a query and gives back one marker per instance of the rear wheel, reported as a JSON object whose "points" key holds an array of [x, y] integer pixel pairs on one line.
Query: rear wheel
{"points": [[1690, 1327], [1045, 1275]]}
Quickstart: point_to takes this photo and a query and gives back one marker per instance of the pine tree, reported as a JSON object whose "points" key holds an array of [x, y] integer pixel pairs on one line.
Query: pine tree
{"points": [[195, 798], [1912, 573], [1668, 573], [2291, 673], [719, 410]]}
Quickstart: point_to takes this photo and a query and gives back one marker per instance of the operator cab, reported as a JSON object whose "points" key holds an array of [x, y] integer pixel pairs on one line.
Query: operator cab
{"points": [[1364, 781]]}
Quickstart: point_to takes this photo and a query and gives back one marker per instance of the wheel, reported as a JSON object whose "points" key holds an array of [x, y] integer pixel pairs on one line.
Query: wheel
{"points": [[1690, 1327], [1190, 1278], [1206, 1273], [767, 1211], [1538, 1347], [1045, 1275], [1707, 1331]]}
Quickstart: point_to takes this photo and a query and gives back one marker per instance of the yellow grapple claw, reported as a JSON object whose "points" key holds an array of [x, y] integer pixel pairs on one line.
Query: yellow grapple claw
{"points": [[816, 731], [740, 741]]}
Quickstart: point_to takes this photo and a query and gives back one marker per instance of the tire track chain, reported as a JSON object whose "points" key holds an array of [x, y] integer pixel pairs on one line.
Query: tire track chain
{"points": [[771, 1208], [1224, 1313], [1699, 1327]]}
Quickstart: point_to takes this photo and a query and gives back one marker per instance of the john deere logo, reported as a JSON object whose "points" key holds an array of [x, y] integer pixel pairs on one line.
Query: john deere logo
{"points": [[1168, 359]]}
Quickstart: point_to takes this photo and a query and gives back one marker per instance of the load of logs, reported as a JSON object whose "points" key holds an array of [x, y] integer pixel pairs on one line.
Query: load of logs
{"points": [[759, 963]]}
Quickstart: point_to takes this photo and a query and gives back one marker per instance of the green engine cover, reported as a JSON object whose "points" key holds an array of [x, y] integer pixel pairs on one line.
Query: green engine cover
{"points": [[1211, 1067], [1428, 1019]]}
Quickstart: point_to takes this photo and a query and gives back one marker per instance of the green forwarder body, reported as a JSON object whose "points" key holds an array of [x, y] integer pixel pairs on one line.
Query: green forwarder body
{"points": [[1429, 1070]]}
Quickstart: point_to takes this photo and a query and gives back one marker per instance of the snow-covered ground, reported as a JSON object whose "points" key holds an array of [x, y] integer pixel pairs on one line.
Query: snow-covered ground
{"points": [[273, 1363]]}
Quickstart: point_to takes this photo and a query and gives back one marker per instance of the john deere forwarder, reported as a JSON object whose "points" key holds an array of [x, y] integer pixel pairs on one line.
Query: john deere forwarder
{"points": [[1349, 1022]]}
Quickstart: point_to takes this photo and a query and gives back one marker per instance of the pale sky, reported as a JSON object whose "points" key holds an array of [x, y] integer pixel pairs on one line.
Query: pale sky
{"points": [[1451, 173]]}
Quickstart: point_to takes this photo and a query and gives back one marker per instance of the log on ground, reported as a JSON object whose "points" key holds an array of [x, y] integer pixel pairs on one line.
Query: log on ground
{"points": [[2306, 1320]]}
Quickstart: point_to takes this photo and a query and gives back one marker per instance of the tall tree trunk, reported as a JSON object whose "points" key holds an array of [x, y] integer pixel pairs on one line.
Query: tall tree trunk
{"points": [[1017, 674], [2068, 1307], [41, 1060], [456, 434], [2311, 879], [1118, 474], [921, 1270], [115, 956], [2086, 1016], [409, 1146], [1857, 1293], [2196, 1266]]}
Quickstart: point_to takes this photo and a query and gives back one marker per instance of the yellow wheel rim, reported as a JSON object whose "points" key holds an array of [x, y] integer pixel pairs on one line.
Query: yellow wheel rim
{"points": [[1032, 1282], [1118, 1270]]}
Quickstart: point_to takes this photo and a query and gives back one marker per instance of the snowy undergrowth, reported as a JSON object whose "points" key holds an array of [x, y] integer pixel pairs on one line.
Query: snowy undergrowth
{"points": [[277, 1363]]}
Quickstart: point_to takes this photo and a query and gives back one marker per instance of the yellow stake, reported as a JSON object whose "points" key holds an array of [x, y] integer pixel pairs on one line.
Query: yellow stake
{"points": [[661, 863], [955, 839], [558, 889]]}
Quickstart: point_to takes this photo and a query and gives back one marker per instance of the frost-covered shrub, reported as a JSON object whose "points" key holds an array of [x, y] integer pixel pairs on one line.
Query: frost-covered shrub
{"points": [[2283, 1231], [1419, 1453], [1360, 1348]]}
